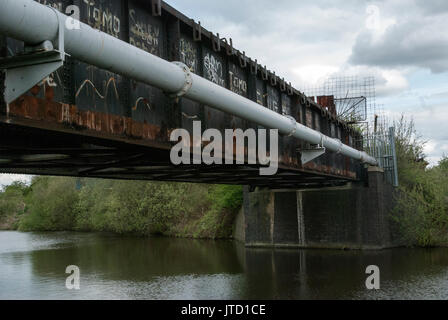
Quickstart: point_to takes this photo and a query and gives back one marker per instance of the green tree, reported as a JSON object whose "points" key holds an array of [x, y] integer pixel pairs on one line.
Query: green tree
{"points": [[12, 204], [50, 205]]}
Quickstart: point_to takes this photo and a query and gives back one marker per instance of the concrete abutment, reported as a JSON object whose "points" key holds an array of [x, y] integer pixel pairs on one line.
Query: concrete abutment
{"points": [[356, 216]]}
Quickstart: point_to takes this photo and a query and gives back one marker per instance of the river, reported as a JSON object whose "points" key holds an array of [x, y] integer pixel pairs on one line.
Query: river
{"points": [[33, 265]]}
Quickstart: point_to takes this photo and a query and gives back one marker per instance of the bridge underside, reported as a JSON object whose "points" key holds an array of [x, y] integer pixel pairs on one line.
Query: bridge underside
{"points": [[88, 122], [27, 150]]}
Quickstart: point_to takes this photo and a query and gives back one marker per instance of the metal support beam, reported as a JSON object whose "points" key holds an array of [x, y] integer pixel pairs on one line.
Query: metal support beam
{"points": [[35, 23], [25, 71]]}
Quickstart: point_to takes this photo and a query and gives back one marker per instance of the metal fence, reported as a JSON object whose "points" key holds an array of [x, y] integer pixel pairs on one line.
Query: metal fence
{"points": [[381, 145]]}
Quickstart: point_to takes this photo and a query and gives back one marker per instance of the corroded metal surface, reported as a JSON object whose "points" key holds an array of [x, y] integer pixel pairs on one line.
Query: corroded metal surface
{"points": [[48, 111], [84, 100]]}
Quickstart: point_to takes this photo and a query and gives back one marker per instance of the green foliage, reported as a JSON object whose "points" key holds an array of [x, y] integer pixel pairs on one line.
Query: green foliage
{"points": [[422, 210], [124, 207], [410, 155], [217, 222], [129, 206], [443, 165], [12, 204], [422, 202], [50, 205], [226, 197]]}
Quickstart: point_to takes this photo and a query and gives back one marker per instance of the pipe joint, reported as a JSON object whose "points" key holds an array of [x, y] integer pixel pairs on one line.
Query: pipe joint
{"points": [[188, 83], [340, 146], [294, 129]]}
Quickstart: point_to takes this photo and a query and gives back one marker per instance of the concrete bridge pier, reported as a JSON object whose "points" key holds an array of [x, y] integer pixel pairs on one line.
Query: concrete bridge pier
{"points": [[356, 216]]}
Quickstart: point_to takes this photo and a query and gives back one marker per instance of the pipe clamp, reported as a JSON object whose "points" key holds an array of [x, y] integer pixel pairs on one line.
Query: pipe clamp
{"points": [[293, 131], [340, 146], [188, 80]]}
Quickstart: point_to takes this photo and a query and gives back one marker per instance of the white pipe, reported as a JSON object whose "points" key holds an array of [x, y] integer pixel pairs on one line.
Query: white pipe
{"points": [[34, 23]]}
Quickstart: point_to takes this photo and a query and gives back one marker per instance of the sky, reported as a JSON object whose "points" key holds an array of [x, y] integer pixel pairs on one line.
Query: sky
{"points": [[402, 43]]}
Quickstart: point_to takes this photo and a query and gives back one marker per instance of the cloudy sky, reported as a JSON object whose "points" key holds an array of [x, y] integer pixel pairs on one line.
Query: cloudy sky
{"points": [[403, 43]]}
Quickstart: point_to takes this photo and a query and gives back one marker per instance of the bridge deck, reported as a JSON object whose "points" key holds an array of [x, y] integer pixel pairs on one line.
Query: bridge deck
{"points": [[84, 121], [28, 150]]}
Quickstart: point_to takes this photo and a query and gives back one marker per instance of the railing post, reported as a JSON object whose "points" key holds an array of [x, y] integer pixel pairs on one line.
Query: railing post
{"points": [[394, 156]]}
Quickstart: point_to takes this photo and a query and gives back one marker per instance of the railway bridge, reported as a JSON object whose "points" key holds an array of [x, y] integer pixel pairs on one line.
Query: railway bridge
{"points": [[89, 89]]}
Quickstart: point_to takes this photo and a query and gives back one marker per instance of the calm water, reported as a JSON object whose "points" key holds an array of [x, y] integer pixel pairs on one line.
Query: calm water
{"points": [[32, 266]]}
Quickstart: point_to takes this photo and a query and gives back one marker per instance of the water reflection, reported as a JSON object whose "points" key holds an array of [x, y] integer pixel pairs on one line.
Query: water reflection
{"points": [[32, 266], [328, 274]]}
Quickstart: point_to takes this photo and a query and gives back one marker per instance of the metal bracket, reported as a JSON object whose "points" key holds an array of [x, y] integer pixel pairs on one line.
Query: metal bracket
{"points": [[282, 85], [264, 74], [188, 80], [242, 59], [308, 155], [229, 46], [216, 42], [290, 89], [253, 67], [307, 102], [197, 30], [156, 8], [273, 79], [26, 70]]}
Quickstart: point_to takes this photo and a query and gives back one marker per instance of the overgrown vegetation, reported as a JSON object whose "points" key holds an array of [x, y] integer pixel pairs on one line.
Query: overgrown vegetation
{"points": [[12, 204], [125, 207], [422, 201]]}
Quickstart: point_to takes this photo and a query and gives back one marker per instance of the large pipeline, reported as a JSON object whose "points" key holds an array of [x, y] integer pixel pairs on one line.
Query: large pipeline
{"points": [[35, 23]]}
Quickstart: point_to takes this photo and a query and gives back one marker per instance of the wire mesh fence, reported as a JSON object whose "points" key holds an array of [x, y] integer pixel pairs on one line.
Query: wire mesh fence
{"points": [[381, 145], [354, 100]]}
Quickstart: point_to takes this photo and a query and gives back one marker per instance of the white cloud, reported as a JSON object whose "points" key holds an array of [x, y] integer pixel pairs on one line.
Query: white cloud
{"points": [[418, 40], [391, 81], [313, 74], [7, 179], [376, 23]]}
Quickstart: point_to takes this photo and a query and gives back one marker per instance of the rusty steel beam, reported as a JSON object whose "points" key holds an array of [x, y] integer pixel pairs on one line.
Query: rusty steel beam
{"points": [[36, 24]]}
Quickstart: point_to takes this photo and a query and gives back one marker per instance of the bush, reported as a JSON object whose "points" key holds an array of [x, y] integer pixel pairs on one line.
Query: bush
{"points": [[217, 222], [50, 205], [124, 207], [12, 204], [422, 206], [143, 208]]}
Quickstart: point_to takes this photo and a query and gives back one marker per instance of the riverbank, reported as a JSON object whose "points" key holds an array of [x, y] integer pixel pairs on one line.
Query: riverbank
{"points": [[122, 207]]}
